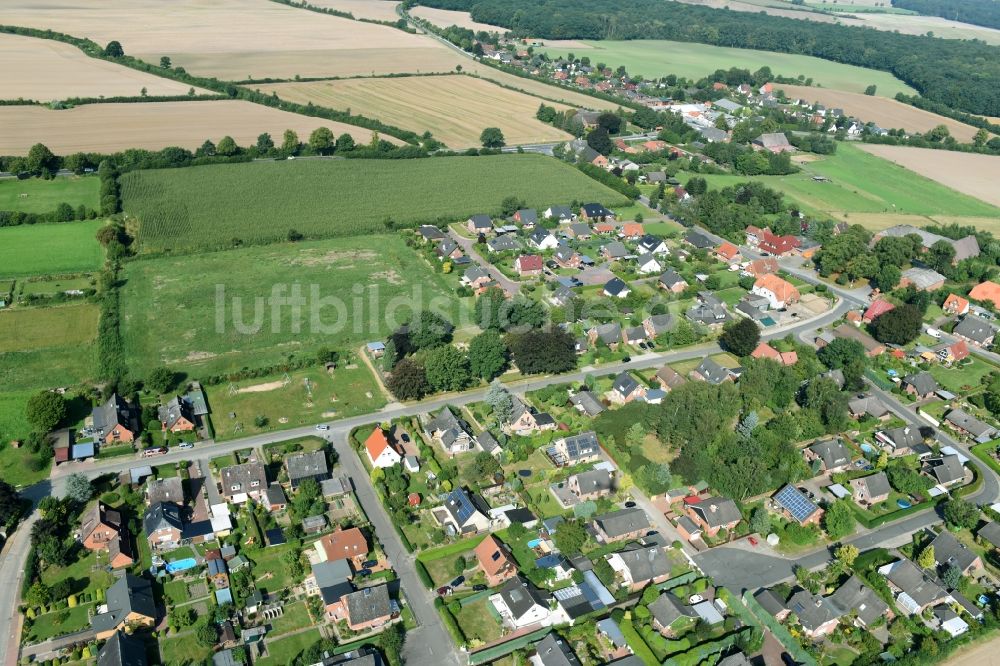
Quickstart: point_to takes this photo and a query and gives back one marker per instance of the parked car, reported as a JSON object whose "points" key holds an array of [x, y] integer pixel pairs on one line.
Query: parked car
{"points": [[322, 426], [458, 581], [185, 445], [365, 572], [370, 563], [630, 504], [155, 451], [444, 591], [753, 541], [479, 587]]}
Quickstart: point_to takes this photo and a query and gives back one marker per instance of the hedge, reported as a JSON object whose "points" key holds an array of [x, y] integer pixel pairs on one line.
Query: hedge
{"points": [[780, 632], [423, 574]]}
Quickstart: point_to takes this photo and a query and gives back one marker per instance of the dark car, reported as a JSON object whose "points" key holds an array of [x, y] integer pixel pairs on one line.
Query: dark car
{"points": [[370, 563], [479, 588], [630, 504], [365, 572], [444, 591], [458, 581], [627, 359]]}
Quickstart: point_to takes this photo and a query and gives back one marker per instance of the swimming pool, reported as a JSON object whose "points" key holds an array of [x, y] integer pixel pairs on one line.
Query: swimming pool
{"points": [[181, 565], [867, 448], [902, 504]]}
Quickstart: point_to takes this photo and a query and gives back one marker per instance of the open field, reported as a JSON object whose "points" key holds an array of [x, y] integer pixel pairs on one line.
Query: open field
{"points": [[46, 70], [914, 24], [108, 128], [446, 17], [885, 112], [273, 40], [35, 195], [455, 109], [865, 189], [207, 206], [50, 249], [970, 173], [661, 57], [539, 89], [38, 328], [198, 312], [376, 10]]}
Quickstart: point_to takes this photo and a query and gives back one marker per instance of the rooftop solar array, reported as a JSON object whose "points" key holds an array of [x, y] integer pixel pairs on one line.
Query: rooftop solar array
{"points": [[797, 504]]}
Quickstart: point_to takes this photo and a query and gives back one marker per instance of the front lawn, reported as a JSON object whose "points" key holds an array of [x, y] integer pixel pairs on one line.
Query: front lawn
{"points": [[295, 616], [478, 622], [284, 650], [964, 374], [61, 622], [183, 649]]}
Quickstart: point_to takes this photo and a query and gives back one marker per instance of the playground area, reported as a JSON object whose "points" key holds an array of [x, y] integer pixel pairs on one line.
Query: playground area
{"points": [[292, 399]]}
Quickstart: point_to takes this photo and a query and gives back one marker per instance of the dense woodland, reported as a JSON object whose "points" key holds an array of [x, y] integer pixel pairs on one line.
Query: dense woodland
{"points": [[961, 74], [976, 12]]}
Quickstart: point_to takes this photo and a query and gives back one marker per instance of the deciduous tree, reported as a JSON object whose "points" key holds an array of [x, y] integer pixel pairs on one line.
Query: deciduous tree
{"points": [[492, 137], [45, 410], [740, 337]]}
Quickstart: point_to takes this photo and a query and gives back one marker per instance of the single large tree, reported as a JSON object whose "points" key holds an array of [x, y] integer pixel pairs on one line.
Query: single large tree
{"points": [[161, 380], [447, 369], [841, 352], [45, 410], [10, 503], [959, 513], [114, 49], [492, 137], [79, 488], [428, 329], [599, 140], [408, 381], [487, 355], [740, 337], [898, 326], [549, 351], [321, 140]]}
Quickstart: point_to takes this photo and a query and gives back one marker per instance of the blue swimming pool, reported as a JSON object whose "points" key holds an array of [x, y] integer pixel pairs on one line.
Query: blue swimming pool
{"points": [[181, 565], [867, 448], [534, 543], [903, 504]]}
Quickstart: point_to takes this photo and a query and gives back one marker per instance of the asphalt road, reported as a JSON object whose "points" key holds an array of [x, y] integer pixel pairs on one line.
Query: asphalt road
{"points": [[469, 247]]}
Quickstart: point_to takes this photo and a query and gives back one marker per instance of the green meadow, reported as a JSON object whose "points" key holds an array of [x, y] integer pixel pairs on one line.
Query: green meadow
{"points": [[35, 195], [50, 249], [655, 58]]}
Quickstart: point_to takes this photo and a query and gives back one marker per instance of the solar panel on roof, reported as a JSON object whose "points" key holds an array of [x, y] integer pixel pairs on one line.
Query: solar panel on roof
{"points": [[795, 503]]}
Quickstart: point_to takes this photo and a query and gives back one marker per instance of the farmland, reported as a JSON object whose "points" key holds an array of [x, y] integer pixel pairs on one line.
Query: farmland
{"points": [[39, 328], [975, 175], [455, 109], [376, 10], [35, 195], [887, 113], [659, 57], [273, 40], [108, 128], [209, 206], [47, 249], [446, 17], [172, 312], [45, 70]]}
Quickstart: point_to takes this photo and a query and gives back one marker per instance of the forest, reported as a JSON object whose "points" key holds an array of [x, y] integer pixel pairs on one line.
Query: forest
{"points": [[961, 74], [977, 12]]}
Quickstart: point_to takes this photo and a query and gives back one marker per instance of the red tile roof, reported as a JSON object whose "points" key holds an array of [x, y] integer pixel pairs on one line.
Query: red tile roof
{"points": [[986, 291], [955, 303], [376, 443], [878, 307], [530, 262]]}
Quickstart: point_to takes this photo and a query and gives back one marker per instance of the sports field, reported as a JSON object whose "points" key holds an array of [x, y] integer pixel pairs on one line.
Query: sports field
{"points": [[29, 329], [239, 39], [50, 249], [45, 70], [208, 206], [455, 109], [884, 112], [34, 195], [974, 174], [660, 57], [108, 128], [180, 311], [869, 190]]}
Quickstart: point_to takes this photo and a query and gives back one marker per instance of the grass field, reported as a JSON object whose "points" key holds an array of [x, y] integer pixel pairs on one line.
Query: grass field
{"points": [[284, 650], [50, 249], [35, 195], [455, 109], [970, 173], [170, 315], [884, 112], [46, 70], [659, 57], [40, 328], [205, 207], [106, 128]]}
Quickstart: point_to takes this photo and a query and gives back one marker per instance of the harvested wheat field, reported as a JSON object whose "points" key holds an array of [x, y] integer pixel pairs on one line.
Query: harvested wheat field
{"points": [[45, 70], [548, 92], [454, 108], [239, 39], [883, 111], [969, 173], [445, 18], [107, 128], [376, 10]]}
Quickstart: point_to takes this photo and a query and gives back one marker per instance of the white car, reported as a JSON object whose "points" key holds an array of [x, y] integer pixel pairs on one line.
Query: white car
{"points": [[185, 445], [695, 599], [322, 427]]}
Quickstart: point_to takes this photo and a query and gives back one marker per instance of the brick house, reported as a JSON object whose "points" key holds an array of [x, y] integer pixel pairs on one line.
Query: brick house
{"points": [[495, 561]]}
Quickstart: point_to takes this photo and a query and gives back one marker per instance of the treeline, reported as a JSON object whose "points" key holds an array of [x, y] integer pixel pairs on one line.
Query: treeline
{"points": [[976, 12], [729, 211], [748, 162], [64, 212], [399, 24], [962, 74]]}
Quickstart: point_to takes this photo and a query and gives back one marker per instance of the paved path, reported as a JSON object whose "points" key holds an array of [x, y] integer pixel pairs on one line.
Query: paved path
{"points": [[469, 246]]}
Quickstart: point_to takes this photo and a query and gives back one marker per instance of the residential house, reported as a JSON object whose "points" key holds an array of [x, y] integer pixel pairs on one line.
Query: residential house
{"points": [[669, 614], [990, 534], [560, 213], [877, 308], [302, 466], [448, 249], [765, 350], [610, 334], [567, 257], [625, 389], [99, 525], [243, 482], [129, 604], [529, 265], [592, 484], [520, 604], [553, 651], [170, 489], [176, 416], [217, 571], [948, 620], [616, 288], [495, 560], [381, 452], [975, 330], [430, 233], [872, 489], [872, 346], [913, 588], [649, 244], [526, 217], [952, 353], [986, 292], [797, 506], [714, 513], [946, 470], [699, 240], [344, 544], [922, 279], [524, 419], [586, 403], [817, 615], [775, 142], [463, 513], [657, 325], [970, 426], [965, 248], [595, 211], [275, 498], [575, 449], [330, 580], [122, 649], [163, 525], [476, 277], [903, 441], [115, 421], [668, 378], [832, 454], [728, 252], [709, 310], [949, 551], [638, 566], [854, 596], [633, 335], [368, 608], [778, 292], [672, 282], [580, 231], [647, 265], [452, 432], [504, 243], [614, 250], [542, 240], [868, 405], [920, 384], [711, 372], [479, 224], [956, 305], [759, 267], [621, 525]]}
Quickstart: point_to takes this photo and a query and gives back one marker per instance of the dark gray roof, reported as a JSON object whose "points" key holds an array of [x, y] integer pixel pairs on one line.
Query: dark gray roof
{"points": [[671, 277], [276, 494], [708, 313], [962, 419], [504, 242], [430, 232], [170, 489], [906, 576], [662, 323], [332, 579], [832, 452], [949, 550], [595, 480], [624, 521], [520, 596], [868, 404], [991, 533], [645, 562], [905, 436], [129, 594], [854, 595], [877, 484], [581, 229], [487, 441], [307, 465], [554, 651], [114, 411], [122, 650], [649, 242], [162, 515], [528, 215], [975, 329], [476, 272], [368, 604], [481, 221], [769, 601], [595, 210], [615, 286], [539, 235], [812, 610], [615, 250], [668, 609], [609, 333], [582, 445], [588, 402], [560, 212], [625, 384], [176, 409], [922, 382], [698, 239], [947, 469], [712, 372], [244, 476], [717, 511], [463, 505]]}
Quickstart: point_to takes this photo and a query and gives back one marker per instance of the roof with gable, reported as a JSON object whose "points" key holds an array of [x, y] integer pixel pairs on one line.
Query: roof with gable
{"points": [[307, 465], [877, 307], [333, 580], [623, 521], [974, 328], [717, 511], [712, 372], [667, 609], [615, 286], [832, 452], [462, 506], [922, 382], [913, 582], [376, 443], [595, 481], [782, 289], [877, 484], [625, 384], [923, 278], [344, 544], [855, 595], [947, 469], [671, 278], [122, 650], [991, 533], [530, 262], [160, 516], [588, 402], [368, 604], [727, 250], [492, 555], [970, 424], [812, 610], [949, 550], [800, 507], [520, 596], [554, 651], [129, 594], [986, 291]]}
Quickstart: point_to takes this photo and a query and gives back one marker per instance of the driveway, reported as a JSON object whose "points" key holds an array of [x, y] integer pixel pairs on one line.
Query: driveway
{"points": [[469, 247]]}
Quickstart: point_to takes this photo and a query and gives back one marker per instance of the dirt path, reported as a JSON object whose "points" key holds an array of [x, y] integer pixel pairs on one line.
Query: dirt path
{"points": [[978, 654], [363, 355]]}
